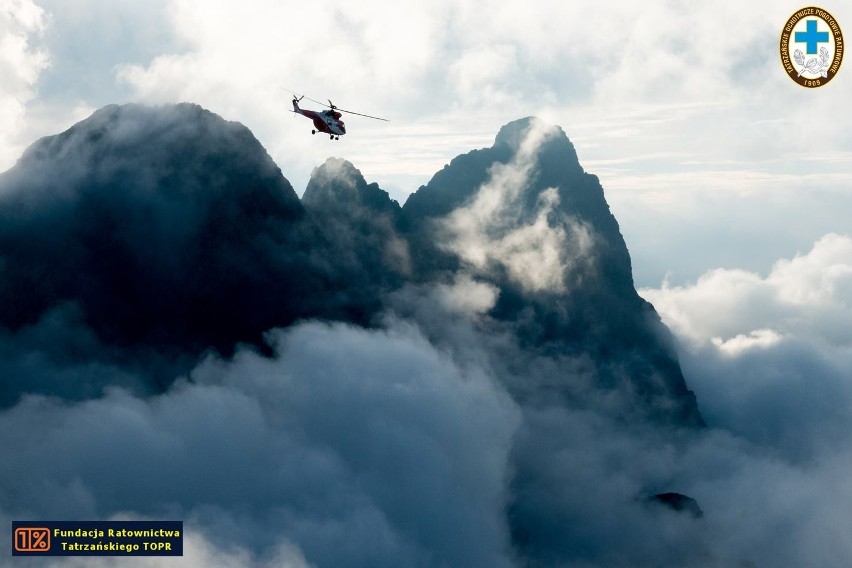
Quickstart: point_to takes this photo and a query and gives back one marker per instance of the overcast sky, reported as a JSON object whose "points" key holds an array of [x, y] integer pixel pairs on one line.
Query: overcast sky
{"points": [[709, 155]]}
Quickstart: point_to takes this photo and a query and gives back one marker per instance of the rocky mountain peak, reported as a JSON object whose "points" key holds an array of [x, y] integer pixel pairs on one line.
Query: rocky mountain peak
{"points": [[524, 217], [339, 184]]}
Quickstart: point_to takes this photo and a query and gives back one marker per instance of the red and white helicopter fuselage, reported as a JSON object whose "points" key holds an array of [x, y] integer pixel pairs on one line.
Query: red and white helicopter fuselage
{"points": [[327, 121]]}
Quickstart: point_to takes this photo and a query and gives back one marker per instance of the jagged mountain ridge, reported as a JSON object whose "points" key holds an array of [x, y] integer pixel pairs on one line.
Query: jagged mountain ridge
{"points": [[598, 314], [169, 230]]}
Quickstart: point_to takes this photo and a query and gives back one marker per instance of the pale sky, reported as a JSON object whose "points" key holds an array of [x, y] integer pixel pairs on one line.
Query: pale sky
{"points": [[709, 155]]}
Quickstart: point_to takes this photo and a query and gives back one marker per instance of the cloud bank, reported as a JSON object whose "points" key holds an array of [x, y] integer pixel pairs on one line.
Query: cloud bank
{"points": [[377, 448], [366, 448], [769, 358]]}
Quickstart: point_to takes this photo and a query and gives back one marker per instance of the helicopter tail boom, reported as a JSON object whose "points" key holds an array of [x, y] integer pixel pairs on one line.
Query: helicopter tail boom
{"points": [[296, 104]]}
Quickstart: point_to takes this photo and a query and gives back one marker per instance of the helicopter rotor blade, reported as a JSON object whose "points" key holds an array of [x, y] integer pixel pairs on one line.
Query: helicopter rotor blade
{"points": [[360, 114], [316, 101]]}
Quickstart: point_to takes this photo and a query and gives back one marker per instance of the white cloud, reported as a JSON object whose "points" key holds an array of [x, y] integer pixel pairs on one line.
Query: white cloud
{"points": [[465, 295], [22, 59], [479, 73], [769, 357], [820, 279], [759, 338], [362, 448], [492, 231], [808, 295]]}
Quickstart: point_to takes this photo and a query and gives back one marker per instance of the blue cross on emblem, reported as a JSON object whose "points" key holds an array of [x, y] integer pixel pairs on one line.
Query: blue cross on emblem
{"points": [[811, 37]]}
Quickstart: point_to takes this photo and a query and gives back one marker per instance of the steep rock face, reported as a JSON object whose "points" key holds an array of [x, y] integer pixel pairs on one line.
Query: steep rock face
{"points": [[338, 189], [360, 220], [524, 216]]}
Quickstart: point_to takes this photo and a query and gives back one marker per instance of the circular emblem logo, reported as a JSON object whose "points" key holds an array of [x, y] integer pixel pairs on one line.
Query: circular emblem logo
{"points": [[811, 47]]}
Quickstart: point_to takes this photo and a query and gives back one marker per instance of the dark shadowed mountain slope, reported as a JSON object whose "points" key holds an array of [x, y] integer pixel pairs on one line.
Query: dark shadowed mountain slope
{"points": [[167, 230], [165, 226], [361, 221]]}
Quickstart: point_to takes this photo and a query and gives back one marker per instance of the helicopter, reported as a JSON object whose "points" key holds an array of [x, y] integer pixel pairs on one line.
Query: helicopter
{"points": [[327, 121]]}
